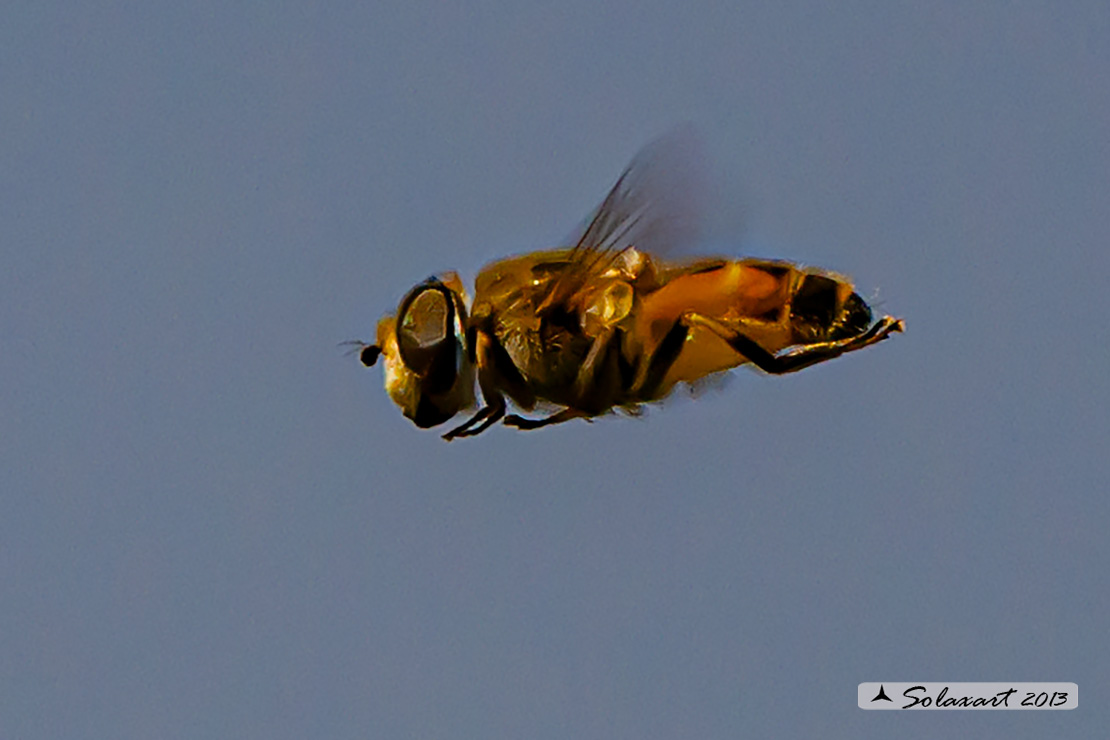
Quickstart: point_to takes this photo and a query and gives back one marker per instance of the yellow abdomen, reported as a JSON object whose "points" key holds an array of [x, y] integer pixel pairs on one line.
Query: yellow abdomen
{"points": [[753, 294]]}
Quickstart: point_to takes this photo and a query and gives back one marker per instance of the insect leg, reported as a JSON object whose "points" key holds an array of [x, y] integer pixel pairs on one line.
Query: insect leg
{"points": [[495, 371], [488, 416], [802, 357], [520, 422], [662, 359], [599, 384]]}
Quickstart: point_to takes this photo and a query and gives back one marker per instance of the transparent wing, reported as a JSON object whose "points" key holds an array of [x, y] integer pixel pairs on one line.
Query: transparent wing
{"points": [[655, 206]]}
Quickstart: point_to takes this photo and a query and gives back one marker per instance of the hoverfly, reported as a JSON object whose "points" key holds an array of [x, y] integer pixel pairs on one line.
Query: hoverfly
{"points": [[609, 324]]}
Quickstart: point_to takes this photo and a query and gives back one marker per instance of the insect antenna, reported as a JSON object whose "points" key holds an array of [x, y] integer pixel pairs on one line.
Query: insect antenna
{"points": [[367, 353]]}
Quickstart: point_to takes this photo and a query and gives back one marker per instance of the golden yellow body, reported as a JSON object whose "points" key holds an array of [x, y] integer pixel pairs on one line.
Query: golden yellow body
{"points": [[606, 325]]}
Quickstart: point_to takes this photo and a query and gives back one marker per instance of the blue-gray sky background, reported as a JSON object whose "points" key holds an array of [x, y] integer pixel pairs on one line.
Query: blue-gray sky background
{"points": [[216, 525]]}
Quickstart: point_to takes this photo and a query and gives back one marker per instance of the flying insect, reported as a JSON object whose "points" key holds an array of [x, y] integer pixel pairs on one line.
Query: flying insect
{"points": [[609, 323]]}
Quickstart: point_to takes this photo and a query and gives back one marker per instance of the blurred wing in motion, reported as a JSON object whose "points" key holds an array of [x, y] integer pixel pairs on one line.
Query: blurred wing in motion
{"points": [[655, 206]]}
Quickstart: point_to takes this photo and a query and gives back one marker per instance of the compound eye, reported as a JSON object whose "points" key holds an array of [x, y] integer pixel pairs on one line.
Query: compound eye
{"points": [[425, 322], [429, 337], [423, 326]]}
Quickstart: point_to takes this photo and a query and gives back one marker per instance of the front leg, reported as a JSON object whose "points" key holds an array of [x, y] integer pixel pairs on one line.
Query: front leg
{"points": [[486, 417], [496, 372]]}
